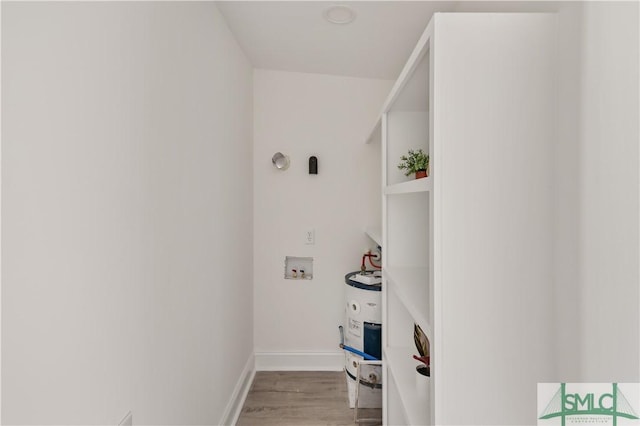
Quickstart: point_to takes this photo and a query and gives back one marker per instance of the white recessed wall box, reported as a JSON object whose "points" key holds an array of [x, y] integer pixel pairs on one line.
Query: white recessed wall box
{"points": [[298, 268]]}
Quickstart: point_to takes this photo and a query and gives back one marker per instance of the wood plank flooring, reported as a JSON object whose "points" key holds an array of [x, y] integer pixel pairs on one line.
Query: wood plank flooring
{"points": [[300, 398]]}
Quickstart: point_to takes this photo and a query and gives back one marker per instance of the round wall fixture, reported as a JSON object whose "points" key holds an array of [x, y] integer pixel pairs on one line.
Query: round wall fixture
{"points": [[339, 14], [280, 161]]}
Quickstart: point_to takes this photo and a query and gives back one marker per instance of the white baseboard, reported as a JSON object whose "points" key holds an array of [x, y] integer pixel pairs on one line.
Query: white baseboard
{"points": [[299, 361], [239, 395]]}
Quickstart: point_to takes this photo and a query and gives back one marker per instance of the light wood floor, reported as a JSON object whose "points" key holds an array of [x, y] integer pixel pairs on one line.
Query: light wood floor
{"points": [[300, 398]]}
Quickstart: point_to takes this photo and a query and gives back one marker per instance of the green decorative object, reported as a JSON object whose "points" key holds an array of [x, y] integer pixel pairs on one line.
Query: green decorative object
{"points": [[414, 162]]}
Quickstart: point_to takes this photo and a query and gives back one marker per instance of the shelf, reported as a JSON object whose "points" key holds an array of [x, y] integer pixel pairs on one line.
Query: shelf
{"points": [[409, 69], [374, 134], [416, 185], [410, 285], [375, 234], [414, 96], [402, 366]]}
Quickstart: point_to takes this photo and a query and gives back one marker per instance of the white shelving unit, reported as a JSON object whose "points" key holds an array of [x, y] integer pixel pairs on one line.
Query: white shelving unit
{"points": [[408, 283], [416, 185], [466, 250], [400, 366], [375, 234], [407, 207]]}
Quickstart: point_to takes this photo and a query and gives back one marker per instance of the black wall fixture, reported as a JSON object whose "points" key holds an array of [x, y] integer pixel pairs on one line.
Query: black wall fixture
{"points": [[313, 165]]}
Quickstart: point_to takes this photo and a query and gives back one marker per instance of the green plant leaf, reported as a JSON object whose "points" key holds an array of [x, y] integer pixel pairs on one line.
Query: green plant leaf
{"points": [[415, 160], [421, 341]]}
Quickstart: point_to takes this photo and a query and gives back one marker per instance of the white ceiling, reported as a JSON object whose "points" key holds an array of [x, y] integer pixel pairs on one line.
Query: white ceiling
{"points": [[294, 36]]}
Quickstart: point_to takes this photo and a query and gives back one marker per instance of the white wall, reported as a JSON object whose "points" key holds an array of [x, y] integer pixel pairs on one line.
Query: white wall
{"points": [[609, 192], [330, 117], [566, 184], [126, 211], [596, 189], [596, 247]]}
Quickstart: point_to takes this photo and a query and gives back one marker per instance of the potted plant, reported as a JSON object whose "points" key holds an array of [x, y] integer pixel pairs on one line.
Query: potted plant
{"points": [[416, 161], [422, 344]]}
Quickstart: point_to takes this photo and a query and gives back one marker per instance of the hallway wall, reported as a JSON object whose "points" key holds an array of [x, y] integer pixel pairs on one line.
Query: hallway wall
{"points": [[126, 213], [296, 321]]}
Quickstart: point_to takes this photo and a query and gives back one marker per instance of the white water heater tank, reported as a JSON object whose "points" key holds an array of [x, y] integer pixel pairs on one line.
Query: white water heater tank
{"points": [[363, 320], [363, 315]]}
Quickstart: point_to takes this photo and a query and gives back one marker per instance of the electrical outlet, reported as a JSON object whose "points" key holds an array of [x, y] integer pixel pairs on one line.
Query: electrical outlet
{"points": [[310, 236]]}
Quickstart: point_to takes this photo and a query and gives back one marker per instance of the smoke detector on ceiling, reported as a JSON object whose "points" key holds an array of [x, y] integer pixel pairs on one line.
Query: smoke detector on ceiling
{"points": [[339, 14]]}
